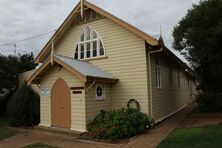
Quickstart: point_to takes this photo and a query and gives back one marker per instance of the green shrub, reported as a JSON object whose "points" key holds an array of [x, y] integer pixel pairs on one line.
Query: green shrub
{"points": [[209, 102], [124, 123], [24, 107]]}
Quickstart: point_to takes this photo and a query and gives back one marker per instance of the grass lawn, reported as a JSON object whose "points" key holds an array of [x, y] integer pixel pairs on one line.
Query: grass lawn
{"points": [[39, 145], [209, 136], [5, 132]]}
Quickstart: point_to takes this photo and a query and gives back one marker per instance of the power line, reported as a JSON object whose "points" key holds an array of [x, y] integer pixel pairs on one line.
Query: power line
{"points": [[29, 38]]}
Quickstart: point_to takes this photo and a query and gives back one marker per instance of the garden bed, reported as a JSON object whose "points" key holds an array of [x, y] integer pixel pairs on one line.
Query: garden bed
{"points": [[117, 127]]}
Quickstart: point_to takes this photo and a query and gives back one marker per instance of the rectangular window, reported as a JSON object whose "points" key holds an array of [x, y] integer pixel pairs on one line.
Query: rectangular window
{"points": [[184, 79], [178, 78], [170, 78], [158, 72], [158, 77]]}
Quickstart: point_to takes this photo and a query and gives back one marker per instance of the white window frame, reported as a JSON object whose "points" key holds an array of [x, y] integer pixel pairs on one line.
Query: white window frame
{"points": [[103, 92], [178, 80], [91, 40], [170, 77], [158, 73]]}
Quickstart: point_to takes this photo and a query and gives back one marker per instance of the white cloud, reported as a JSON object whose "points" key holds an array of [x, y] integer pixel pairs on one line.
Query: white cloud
{"points": [[21, 18]]}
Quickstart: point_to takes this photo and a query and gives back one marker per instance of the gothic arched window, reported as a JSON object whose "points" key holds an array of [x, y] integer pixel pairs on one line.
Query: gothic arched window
{"points": [[89, 45]]}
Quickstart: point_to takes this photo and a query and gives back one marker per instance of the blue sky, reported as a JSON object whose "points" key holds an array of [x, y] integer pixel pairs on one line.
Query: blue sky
{"points": [[20, 19]]}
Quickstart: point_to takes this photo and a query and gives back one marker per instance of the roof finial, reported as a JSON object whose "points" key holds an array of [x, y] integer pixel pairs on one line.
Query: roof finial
{"points": [[82, 1]]}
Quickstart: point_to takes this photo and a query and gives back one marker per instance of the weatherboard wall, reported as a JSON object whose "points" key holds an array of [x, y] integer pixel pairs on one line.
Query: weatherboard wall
{"points": [[78, 117], [167, 99], [125, 60], [94, 106]]}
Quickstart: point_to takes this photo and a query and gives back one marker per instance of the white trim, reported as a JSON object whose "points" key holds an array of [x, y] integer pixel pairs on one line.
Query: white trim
{"points": [[159, 120], [78, 130], [98, 39], [158, 72], [97, 98], [46, 125]]}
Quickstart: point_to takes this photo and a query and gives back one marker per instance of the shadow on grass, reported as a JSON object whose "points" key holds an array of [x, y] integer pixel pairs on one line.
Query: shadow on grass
{"points": [[198, 137], [5, 132], [39, 145]]}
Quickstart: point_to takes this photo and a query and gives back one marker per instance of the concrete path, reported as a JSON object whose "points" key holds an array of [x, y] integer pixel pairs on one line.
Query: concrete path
{"points": [[147, 140]]}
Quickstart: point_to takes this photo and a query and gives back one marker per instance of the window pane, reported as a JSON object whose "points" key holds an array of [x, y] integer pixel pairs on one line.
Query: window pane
{"points": [[88, 50], [87, 33], [101, 49], [76, 53], [94, 35], [81, 51], [94, 48], [158, 80], [82, 37], [82, 55], [99, 91]]}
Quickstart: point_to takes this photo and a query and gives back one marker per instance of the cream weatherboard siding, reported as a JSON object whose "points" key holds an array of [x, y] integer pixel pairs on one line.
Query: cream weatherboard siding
{"points": [[78, 117], [126, 60], [168, 100], [23, 77], [93, 106]]}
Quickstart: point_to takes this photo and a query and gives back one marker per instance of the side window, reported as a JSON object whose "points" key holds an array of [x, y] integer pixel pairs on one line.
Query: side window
{"points": [[178, 78], [100, 91], [170, 77], [158, 72]]}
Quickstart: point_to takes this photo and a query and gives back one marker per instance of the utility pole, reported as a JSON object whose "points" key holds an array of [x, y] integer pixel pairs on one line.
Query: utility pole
{"points": [[15, 49]]}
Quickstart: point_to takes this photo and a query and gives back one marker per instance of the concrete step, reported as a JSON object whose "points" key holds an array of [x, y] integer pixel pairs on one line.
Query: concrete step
{"points": [[57, 130]]}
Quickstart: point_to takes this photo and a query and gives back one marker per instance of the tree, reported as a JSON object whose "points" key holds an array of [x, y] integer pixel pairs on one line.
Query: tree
{"points": [[24, 107], [10, 67], [198, 37], [27, 62]]}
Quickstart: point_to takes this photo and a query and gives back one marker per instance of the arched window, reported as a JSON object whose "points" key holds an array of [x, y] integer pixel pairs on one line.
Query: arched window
{"points": [[89, 45]]}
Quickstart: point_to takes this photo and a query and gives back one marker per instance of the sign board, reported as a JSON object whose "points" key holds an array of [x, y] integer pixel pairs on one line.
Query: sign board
{"points": [[45, 92]]}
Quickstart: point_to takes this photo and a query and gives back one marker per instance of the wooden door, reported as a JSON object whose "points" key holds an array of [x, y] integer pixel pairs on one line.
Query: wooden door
{"points": [[61, 104]]}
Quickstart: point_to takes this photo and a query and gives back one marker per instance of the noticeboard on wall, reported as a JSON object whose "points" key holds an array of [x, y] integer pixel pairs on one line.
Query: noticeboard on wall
{"points": [[45, 92]]}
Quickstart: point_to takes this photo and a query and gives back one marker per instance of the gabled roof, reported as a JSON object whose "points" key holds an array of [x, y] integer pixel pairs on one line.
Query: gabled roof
{"points": [[44, 52], [84, 71]]}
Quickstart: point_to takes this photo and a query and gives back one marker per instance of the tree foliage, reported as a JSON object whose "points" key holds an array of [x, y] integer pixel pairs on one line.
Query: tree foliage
{"points": [[124, 123], [24, 107], [198, 36], [11, 66]]}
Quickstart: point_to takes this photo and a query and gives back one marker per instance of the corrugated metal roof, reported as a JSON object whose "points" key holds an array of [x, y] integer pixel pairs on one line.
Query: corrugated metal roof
{"points": [[85, 68]]}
